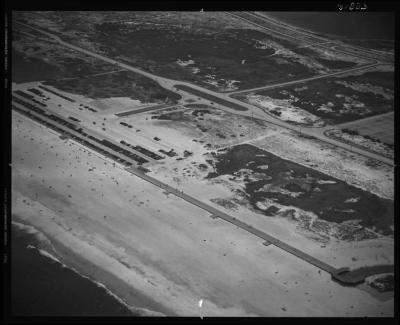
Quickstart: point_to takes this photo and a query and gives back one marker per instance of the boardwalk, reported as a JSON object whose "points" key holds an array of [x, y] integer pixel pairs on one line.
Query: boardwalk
{"points": [[217, 213], [342, 275]]}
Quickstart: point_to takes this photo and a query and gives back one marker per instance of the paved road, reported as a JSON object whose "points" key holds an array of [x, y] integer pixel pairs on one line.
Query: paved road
{"points": [[296, 29], [251, 111], [316, 132], [349, 49], [298, 81], [307, 33], [311, 34], [353, 50]]}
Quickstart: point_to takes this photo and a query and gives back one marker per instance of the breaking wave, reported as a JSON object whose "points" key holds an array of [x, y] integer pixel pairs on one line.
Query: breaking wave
{"points": [[44, 247]]}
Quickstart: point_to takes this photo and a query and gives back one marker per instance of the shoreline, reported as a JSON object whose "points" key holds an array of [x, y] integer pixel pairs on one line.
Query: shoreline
{"points": [[133, 300]]}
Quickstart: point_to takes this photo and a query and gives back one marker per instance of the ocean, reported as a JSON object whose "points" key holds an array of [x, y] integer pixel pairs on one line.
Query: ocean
{"points": [[42, 286], [352, 25]]}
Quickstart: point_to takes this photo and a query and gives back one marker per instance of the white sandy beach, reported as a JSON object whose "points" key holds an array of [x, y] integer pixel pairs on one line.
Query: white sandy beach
{"points": [[139, 242]]}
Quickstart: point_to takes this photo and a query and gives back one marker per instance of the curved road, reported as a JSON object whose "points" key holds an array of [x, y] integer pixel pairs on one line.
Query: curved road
{"points": [[350, 50], [311, 34], [251, 111]]}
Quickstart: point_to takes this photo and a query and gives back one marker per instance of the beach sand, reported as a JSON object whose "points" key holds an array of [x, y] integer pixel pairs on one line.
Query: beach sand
{"points": [[155, 251]]}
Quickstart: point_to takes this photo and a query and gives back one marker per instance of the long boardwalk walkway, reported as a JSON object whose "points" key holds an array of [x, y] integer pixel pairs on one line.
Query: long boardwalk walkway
{"points": [[343, 275], [217, 213]]}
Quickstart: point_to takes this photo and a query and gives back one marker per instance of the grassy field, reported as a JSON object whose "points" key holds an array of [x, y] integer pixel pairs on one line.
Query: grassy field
{"points": [[25, 69], [375, 78], [39, 60], [119, 84], [378, 44], [211, 49], [210, 60], [380, 127], [35, 59]]}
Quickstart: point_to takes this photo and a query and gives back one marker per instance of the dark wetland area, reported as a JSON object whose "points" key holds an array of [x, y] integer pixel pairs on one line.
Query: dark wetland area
{"points": [[44, 61], [26, 69], [345, 99], [220, 52], [291, 184], [78, 75]]}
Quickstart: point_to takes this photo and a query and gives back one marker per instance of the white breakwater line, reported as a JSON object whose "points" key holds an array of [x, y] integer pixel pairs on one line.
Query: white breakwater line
{"points": [[42, 237]]}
